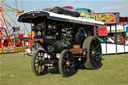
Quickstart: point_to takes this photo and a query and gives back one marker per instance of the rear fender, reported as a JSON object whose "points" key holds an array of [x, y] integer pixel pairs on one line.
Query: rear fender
{"points": [[41, 49]]}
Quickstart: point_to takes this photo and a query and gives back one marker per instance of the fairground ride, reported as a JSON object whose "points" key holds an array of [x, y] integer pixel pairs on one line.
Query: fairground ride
{"points": [[7, 43]]}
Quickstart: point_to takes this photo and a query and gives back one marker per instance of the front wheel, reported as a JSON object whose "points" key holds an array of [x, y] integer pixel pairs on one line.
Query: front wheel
{"points": [[37, 63], [66, 63]]}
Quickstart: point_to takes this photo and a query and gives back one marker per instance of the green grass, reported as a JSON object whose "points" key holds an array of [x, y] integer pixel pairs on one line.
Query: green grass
{"points": [[16, 70]]}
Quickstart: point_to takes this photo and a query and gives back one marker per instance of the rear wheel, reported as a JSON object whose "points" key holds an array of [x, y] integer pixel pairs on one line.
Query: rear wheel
{"points": [[37, 64], [66, 63], [94, 53]]}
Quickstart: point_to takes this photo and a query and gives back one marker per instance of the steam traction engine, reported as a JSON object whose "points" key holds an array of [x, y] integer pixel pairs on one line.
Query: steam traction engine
{"points": [[63, 41]]}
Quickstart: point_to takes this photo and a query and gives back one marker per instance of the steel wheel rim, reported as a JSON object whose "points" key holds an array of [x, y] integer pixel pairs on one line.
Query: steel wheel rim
{"points": [[39, 63], [95, 53], [68, 63]]}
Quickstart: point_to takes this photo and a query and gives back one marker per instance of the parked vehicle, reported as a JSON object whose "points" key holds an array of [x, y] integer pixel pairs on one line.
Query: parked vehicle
{"points": [[63, 41]]}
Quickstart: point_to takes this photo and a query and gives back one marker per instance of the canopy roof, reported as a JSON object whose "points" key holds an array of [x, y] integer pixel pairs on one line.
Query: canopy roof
{"points": [[33, 16]]}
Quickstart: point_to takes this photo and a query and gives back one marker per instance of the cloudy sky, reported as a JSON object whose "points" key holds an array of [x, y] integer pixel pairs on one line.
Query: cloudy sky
{"points": [[96, 5]]}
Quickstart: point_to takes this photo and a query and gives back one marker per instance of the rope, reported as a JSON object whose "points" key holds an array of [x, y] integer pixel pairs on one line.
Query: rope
{"points": [[22, 4], [11, 19], [9, 23], [25, 27], [16, 4], [16, 8]]}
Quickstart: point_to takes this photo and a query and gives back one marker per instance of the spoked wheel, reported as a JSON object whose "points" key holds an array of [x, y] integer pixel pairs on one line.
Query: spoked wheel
{"points": [[66, 63], [38, 66], [94, 53]]}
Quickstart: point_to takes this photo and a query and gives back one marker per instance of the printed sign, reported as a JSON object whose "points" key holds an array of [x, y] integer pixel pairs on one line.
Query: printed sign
{"points": [[108, 17]]}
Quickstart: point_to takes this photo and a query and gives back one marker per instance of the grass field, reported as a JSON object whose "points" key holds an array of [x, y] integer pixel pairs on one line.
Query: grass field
{"points": [[16, 70]]}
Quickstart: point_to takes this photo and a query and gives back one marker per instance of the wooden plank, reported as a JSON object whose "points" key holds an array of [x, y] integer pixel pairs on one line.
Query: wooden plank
{"points": [[77, 50], [0, 50], [11, 49], [19, 49], [5, 50]]}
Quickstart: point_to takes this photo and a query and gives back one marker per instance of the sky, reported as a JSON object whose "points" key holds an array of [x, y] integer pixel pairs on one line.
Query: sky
{"points": [[97, 5]]}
